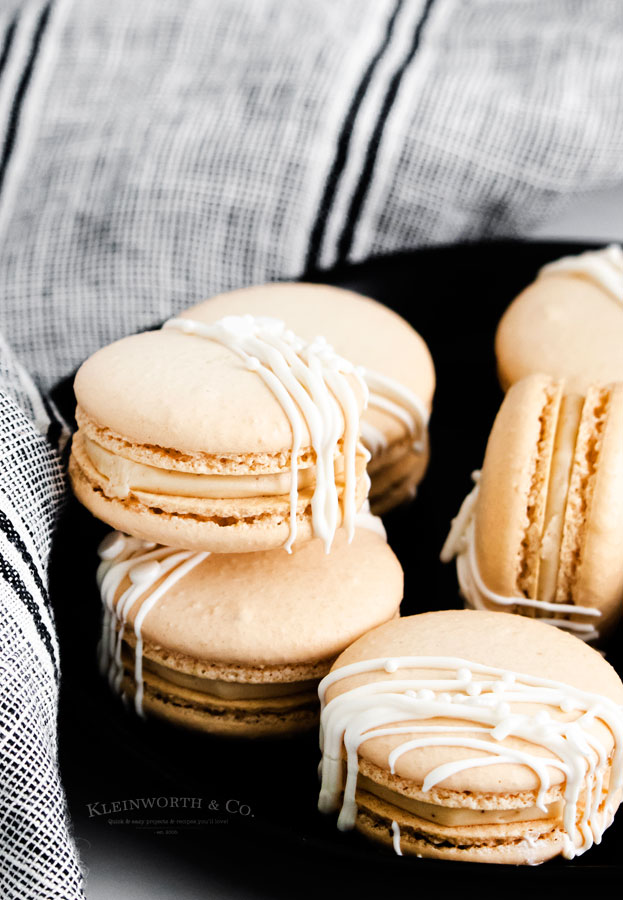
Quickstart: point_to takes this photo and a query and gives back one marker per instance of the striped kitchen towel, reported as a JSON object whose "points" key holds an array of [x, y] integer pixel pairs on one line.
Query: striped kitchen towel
{"points": [[153, 153]]}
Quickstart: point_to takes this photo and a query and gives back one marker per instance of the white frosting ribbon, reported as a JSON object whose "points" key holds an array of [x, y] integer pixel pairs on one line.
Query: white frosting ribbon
{"points": [[145, 563], [461, 544], [394, 398], [486, 704], [310, 382], [604, 268]]}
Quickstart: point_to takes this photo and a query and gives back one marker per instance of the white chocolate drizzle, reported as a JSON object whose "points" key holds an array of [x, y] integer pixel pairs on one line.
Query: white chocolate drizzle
{"points": [[604, 268], [311, 383], [145, 563], [394, 398], [486, 705], [396, 838], [461, 544]]}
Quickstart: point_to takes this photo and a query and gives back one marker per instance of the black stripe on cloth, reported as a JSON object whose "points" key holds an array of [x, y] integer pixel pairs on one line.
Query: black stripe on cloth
{"points": [[7, 44], [14, 538], [12, 577], [343, 144], [358, 199], [16, 108]]}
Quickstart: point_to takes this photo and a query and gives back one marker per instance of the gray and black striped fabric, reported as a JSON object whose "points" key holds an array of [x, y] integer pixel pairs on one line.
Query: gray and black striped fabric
{"points": [[153, 153]]}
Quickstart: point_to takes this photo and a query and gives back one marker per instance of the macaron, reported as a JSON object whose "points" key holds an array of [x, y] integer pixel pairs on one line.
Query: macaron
{"points": [[235, 644], [568, 323], [542, 532], [236, 436], [394, 361], [466, 735]]}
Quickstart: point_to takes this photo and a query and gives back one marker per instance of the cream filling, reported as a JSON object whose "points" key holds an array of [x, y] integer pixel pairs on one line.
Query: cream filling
{"points": [[230, 690], [446, 815], [557, 491], [125, 475]]}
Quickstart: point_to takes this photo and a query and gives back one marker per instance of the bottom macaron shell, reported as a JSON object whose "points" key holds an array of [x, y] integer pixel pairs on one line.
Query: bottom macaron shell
{"points": [[143, 516], [519, 844], [198, 711]]}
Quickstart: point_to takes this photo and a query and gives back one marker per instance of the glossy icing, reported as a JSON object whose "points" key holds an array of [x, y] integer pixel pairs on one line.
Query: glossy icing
{"points": [[486, 699], [603, 268]]}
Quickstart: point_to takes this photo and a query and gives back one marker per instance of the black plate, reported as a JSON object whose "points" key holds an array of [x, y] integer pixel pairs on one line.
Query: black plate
{"points": [[454, 296]]}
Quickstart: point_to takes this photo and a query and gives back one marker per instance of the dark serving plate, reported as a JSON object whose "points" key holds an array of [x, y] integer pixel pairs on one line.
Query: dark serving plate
{"points": [[265, 792]]}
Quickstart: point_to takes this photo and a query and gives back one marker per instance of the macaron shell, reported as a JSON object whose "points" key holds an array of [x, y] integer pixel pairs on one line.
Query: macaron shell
{"points": [[271, 609], [507, 486], [598, 580], [500, 640], [186, 393], [518, 845], [360, 329], [565, 326], [193, 710]]}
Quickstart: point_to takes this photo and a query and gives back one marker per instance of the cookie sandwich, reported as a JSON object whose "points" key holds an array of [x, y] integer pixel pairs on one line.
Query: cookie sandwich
{"points": [[466, 735], [393, 359], [567, 323], [541, 534], [235, 644], [235, 436]]}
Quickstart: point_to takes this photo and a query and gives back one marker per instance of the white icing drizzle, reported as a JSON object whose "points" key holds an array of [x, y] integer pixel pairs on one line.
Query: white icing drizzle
{"points": [[310, 382], [604, 268], [145, 563], [365, 519], [396, 838], [486, 706], [392, 397], [461, 544]]}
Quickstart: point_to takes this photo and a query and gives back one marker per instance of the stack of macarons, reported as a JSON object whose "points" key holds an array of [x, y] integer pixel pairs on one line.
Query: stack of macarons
{"points": [[237, 432], [541, 534]]}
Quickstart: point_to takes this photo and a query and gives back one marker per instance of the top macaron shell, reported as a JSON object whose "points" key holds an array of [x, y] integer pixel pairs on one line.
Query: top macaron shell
{"points": [[512, 498], [363, 331], [565, 326], [184, 393], [270, 609], [507, 642]]}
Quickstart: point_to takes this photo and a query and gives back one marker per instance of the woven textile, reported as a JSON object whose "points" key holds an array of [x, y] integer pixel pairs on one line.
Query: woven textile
{"points": [[153, 153]]}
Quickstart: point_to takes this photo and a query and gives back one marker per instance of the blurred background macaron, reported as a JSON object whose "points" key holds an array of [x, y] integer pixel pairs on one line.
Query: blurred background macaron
{"points": [[230, 438], [567, 323], [542, 532], [235, 644], [397, 366], [470, 736]]}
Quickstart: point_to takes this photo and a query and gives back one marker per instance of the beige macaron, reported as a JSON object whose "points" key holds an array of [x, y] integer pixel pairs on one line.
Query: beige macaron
{"points": [[235, 644], [397, 366], [466, 735], [233, 437], [568, 323], [542, 533]]}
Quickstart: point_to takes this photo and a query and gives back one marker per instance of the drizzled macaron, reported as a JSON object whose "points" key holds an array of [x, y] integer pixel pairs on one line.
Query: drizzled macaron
{"points": [[542, 532], [567, 323], [235, 644], [230, 437], [395, 361], [466, 735]]}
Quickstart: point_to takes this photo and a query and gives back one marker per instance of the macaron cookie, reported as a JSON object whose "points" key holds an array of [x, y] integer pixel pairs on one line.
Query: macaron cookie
{"points": [[541, 534], [394, 360], [466, 735], [236, 436], [235, 644], [568, 323]]}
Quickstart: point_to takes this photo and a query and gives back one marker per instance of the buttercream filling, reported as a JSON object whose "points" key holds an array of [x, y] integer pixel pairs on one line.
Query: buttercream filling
{"points": [[452, 816], [124, 475], [558, 489], [230, 690]]}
